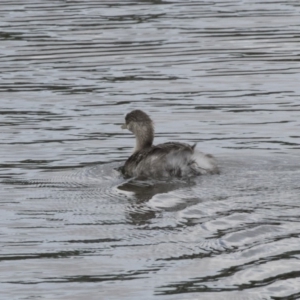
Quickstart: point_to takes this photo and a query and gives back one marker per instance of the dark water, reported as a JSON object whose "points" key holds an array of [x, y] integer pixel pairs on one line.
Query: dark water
{"points": [[224, 74]]}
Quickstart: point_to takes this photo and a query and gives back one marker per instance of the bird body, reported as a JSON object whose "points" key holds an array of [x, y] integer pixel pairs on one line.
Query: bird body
{"points": [[171, 159]]}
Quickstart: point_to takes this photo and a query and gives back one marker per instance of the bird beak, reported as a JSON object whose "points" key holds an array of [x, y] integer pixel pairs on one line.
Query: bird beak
{"points": [[124, 126]]}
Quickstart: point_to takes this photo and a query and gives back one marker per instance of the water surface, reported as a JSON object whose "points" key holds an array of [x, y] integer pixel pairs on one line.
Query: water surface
{"points": [[222, 74]]}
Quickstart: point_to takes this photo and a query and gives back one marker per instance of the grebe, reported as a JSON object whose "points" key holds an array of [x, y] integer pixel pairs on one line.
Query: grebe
{"points": [[166, 160]]}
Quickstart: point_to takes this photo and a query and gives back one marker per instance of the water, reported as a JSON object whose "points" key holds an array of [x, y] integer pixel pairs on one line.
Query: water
{"points": [[223, 74]]}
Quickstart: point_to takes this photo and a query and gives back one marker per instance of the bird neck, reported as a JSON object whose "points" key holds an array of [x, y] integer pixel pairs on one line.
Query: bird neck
{"points": [[144, 137]]}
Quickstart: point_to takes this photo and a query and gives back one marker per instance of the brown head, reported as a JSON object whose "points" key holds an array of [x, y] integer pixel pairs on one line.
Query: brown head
{"points": [[140, 124]]}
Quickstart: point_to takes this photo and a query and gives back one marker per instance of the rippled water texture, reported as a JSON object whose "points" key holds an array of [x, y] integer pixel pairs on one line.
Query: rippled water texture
{"points": [[224, 74]]}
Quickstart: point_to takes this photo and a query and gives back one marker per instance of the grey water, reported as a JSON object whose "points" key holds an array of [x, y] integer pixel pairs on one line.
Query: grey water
{"points": [[222, 74]]}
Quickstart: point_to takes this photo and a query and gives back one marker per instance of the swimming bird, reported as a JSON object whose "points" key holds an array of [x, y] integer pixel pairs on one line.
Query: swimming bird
{"points": [[171, 159]]}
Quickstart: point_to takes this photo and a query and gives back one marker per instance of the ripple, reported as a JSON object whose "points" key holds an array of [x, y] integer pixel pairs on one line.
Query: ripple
{"points": [[220, 74]]}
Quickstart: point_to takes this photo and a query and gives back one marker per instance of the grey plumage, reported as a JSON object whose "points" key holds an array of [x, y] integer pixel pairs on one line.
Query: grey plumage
{"points": [[170, 159]]}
